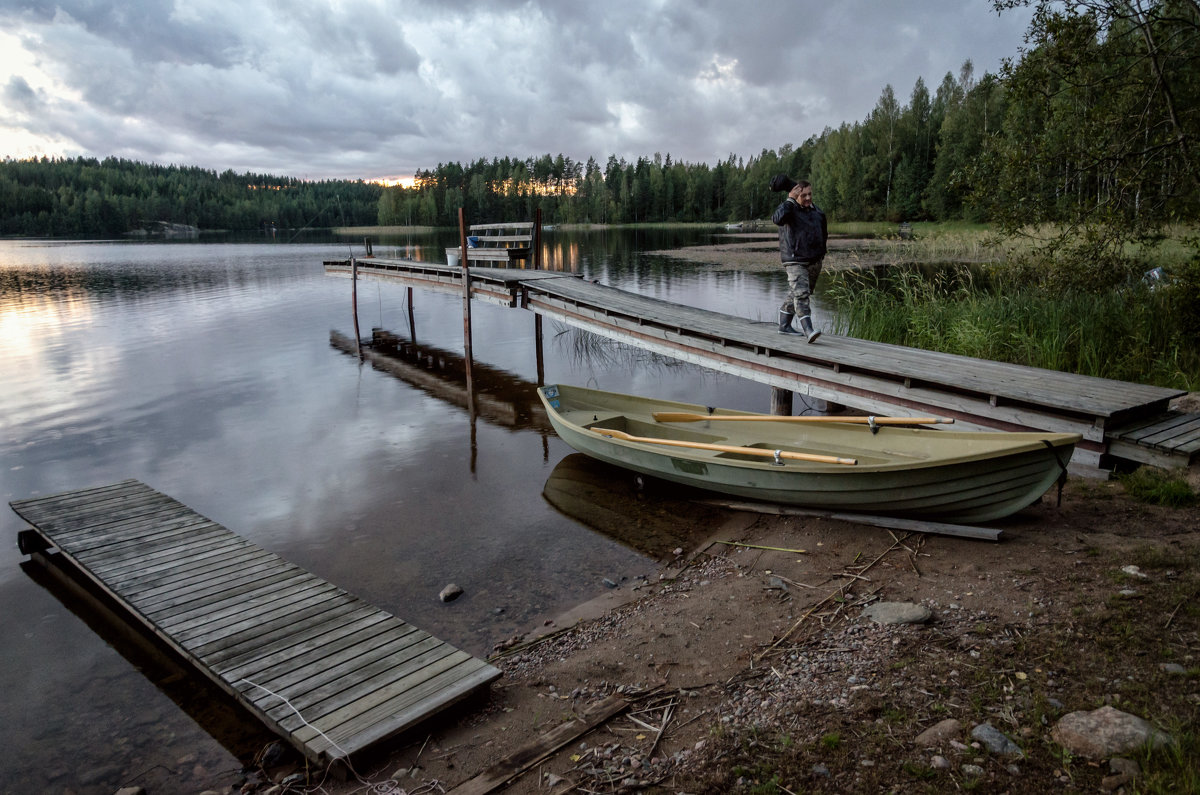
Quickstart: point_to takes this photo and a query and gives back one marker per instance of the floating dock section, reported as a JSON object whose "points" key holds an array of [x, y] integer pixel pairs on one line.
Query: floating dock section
{"points": [[320, 667]]}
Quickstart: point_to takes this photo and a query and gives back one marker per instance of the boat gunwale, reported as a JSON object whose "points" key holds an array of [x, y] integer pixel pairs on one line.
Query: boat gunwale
{"points": [[1020, 442]]}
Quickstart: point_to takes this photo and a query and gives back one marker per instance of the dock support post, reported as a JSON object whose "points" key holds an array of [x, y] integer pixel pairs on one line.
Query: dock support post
{"points": [[412, 319], [537, 349], [466, 280], [537, 239], [781, 401]]}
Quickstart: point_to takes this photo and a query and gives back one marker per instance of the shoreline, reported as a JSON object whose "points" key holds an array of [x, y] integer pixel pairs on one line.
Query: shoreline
{"points": [[733, 643]]}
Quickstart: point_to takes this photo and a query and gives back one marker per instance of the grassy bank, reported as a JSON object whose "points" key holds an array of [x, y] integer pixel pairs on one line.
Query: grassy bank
{"points": [[1003, 309]]}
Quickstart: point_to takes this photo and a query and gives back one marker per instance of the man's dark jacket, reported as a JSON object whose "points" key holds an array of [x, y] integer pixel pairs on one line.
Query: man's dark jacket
{"points": [[803, 232]]}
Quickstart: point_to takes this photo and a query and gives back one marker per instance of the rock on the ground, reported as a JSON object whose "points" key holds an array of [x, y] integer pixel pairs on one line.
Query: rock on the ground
{"points": [[995, 740], [897, 613], [1104, 732], [450, 593], [939, 733]]}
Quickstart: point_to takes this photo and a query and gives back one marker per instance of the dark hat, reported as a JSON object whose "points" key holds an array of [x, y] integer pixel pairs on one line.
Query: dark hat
{"points": [[782, 182]]}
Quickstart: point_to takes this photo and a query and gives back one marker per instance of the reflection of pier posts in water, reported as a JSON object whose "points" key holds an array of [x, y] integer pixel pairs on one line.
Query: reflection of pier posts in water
{"points": [[500, 397], [354, 302]]}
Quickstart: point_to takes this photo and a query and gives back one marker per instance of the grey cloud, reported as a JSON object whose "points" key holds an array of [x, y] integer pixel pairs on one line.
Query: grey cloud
{"points": [[19, 94], [370, 87]]}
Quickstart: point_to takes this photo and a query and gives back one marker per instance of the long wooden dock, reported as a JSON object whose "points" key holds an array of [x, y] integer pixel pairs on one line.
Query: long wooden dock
{"points": [[874, 377], [320, 667]]}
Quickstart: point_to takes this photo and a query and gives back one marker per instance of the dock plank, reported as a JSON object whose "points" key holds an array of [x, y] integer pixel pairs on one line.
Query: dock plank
{"points": [[266, 631]]}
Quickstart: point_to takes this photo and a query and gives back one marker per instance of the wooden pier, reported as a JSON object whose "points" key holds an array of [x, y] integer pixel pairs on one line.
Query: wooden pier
{"points": [[873, 377], [321, 668]]}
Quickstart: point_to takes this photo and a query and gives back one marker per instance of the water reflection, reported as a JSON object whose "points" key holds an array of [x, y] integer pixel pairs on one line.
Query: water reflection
{"points": [[213, 709], [500, 397], [210, 372], [649, 515]]}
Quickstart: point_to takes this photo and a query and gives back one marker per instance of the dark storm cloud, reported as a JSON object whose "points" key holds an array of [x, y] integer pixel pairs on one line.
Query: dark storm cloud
{"points": [[333, 88]]}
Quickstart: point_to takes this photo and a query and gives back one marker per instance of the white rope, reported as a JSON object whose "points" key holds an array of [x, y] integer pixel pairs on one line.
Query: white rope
{"points": [[298, 715]]}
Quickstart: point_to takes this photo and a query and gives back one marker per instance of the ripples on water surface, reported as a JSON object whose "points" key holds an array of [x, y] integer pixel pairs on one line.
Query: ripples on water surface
{"points": [[207, 371]]}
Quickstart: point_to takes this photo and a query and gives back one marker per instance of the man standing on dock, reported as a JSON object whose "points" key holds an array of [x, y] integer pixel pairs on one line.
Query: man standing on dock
{"points": [[803, 232]]}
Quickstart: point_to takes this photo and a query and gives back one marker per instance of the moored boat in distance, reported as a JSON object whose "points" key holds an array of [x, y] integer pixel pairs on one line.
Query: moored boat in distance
{"points": [[827, 463]]}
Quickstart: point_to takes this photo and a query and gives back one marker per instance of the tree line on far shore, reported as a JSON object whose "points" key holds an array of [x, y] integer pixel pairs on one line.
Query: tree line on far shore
{"points": [[86, 197], [1093, 128]]}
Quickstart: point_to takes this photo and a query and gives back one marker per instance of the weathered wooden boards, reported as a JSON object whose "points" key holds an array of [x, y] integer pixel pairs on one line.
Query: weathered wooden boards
{"points": [[320, 667], [874, 377], [1167, 440]]}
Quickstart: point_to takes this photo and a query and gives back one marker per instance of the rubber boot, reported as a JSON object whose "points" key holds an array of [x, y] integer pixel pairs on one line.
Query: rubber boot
{"points": [[785, 322], [809, 331]]}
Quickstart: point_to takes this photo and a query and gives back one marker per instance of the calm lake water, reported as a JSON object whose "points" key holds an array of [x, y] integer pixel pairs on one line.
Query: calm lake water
{"points": [[206, 370]]}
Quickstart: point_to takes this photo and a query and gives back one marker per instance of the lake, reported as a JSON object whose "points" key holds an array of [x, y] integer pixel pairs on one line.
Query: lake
{"points": [[207, 370]]}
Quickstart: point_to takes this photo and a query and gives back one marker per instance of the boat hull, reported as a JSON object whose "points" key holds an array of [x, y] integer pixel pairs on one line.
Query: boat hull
{"points": [[949, 476]]}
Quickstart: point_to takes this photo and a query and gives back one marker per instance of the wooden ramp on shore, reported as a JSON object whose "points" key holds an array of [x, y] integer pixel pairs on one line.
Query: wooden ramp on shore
{"points": [[320, 667]]}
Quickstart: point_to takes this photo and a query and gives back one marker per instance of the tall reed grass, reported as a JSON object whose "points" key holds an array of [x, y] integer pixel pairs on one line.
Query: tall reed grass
{"points": [[1130, 334]]}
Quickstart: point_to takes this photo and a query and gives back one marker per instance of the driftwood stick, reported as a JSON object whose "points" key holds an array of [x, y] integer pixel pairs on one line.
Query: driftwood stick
{"points": [[1171, 617], [756, 546]]}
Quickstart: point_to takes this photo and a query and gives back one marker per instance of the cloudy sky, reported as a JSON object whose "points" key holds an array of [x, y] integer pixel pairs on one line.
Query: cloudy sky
{"points": [[330, 89]]}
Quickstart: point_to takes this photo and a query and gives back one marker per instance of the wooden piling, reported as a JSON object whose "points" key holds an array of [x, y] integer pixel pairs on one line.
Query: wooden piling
{"points": [[537, 350], [536, 262], [781, 401], [466, 285]]}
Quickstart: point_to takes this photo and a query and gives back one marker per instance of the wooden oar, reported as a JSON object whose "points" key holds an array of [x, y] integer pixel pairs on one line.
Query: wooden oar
{"points": [[672, 416], [727, 448]]}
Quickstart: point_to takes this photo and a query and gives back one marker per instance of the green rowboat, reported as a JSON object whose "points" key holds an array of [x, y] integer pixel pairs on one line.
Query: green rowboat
{"points": [[828, 463]]}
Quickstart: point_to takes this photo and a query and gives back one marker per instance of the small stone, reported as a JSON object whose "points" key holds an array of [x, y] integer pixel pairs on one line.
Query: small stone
{"points": [[1173, 668], [609, 583], [450, 593], [897, 613], [820, 770], [1114, 782], [939, 733], [1134, 571], [1129, 767], [939, 763], [995, 740], [974, 771]]}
